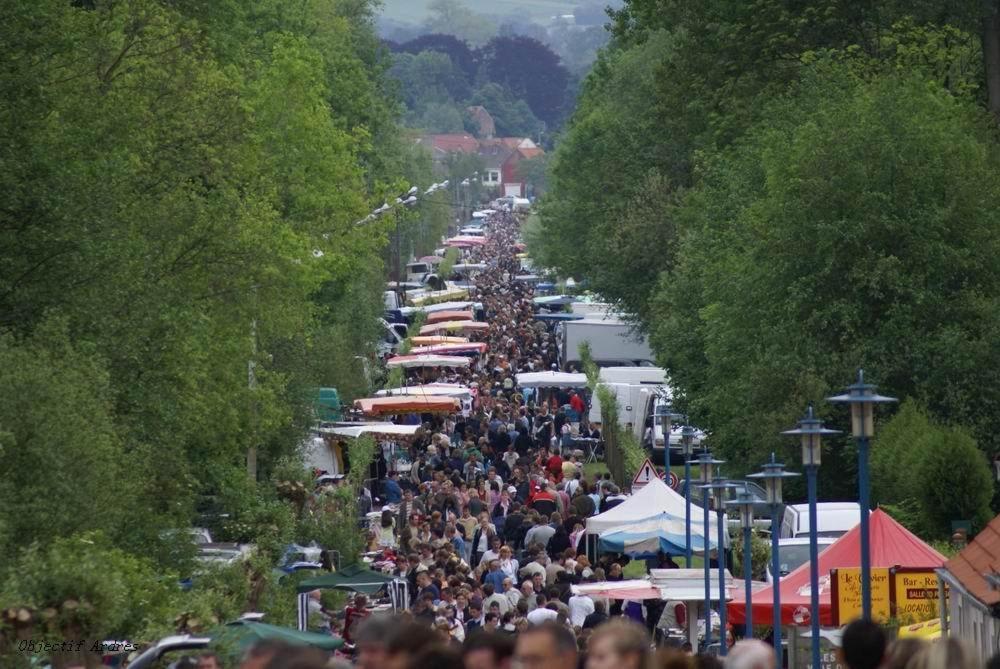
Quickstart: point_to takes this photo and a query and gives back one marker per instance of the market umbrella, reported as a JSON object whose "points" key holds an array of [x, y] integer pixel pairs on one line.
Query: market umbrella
{"points": [[243, 634], [434, 340], [375, 406], [439, 316], [455, 326], [416, 361]]}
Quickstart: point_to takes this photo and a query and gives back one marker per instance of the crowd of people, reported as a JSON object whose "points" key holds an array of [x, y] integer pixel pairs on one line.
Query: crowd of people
{"points": [[487, 526]]}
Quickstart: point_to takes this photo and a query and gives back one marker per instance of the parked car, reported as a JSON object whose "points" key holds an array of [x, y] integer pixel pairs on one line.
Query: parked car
{"points": [[833, 519], [761, 509], [793, 553]]}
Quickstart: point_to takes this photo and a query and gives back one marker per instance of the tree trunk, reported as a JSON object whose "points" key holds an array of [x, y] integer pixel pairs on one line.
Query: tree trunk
{"points": [[990, 35]]}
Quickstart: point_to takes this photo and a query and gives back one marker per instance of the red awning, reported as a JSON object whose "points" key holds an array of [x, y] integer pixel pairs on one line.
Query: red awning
{"points": [[375, 406], [439, 316], [892, 545]]}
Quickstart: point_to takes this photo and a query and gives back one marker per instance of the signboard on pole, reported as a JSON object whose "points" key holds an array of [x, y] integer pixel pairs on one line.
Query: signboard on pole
{"points": [[647, 472], [671, 480], [914, 594], [845, 594]]}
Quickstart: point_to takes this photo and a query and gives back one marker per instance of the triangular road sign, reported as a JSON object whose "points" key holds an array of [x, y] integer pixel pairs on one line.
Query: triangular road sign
{"points": [[647, 472]]}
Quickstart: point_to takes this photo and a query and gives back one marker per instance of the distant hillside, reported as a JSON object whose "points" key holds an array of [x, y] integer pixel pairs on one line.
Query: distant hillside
{"points": [[414, 11]]}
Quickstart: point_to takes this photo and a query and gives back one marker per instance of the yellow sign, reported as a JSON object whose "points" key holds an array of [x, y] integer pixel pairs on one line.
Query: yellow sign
{"points": [[916, 595], [845, 594]]}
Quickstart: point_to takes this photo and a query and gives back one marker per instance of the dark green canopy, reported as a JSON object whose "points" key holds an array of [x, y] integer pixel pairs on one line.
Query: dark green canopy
{"points": [[354, 577], [245, 633]]}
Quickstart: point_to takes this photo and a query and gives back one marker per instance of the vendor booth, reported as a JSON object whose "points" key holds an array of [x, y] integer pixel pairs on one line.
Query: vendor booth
{"points": [[551, 380], [892, 545], [353, 578], [649, 521], [426, 360]]}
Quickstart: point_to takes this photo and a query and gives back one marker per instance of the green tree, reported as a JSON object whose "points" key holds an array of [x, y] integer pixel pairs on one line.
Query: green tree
{"points": [[59, 448], [513, 116], [834, 236], [957, 483], [81, 587]]}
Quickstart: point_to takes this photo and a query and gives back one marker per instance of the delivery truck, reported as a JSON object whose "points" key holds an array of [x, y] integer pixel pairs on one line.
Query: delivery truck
{"points": [[613, 343]]}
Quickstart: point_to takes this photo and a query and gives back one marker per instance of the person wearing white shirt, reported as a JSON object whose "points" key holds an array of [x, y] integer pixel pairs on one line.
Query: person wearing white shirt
{"points": [[508, 564], [543, 613], [580, 606], [511, 593]]}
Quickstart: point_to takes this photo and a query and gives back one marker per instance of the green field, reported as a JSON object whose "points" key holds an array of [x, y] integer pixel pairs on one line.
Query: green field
{"points": [[414, 11]]}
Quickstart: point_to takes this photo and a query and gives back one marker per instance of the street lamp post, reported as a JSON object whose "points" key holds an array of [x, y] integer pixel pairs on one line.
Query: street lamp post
{"points": [[773, 475], [811, 431], [687, 448], [706, 465], [688, 434], [744, 505], [862, 398], [719, 486]]}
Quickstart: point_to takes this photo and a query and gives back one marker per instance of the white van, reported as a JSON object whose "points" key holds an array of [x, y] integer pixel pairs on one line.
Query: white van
{"points": [[416, 271], [833, 519]]}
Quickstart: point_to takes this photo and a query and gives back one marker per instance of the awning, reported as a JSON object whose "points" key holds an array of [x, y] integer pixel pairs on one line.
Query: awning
{"points": [[635, 589], [465, 241], [434, 340], [551, 380], [430, 390], [436, 296], [662, 533], [355, 431], [375, 406], [440, 316], [470, 348], [416, 361], [455, 326]]}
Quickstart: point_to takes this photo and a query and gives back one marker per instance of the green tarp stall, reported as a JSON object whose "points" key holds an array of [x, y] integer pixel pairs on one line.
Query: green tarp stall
{"points": [[243, 634], [355, 578]]}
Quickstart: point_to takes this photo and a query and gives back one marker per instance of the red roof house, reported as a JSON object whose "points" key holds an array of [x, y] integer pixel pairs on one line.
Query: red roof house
{"points": [[974, 597]]}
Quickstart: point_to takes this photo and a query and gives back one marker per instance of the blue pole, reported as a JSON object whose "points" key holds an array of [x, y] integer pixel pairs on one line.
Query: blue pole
{"points": [[748, 575], [776, 584], [720, 557], [708, 576], [687, 506], [866, 555], [813, 567]]}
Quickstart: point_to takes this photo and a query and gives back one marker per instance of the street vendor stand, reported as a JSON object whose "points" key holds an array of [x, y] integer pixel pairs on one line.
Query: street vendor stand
{"points": [[353, 578]]}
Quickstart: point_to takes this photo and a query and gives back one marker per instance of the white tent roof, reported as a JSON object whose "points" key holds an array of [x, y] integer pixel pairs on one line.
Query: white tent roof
{"points": [[552, 380], [656, 497], [439, 389], [365, 428]]}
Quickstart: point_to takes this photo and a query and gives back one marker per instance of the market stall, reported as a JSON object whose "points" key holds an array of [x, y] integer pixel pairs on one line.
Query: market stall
{"points": [[399, 404], [353, 578], [551, 380], [454, 326], [418, 361], [469, 348], [449, 315]]}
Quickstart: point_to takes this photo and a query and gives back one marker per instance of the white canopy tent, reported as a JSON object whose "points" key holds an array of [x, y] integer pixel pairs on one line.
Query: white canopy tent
{"points": [[652, 515], [359, 429], [426, 360], [551, 380], [439, 389]]}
